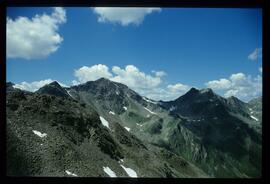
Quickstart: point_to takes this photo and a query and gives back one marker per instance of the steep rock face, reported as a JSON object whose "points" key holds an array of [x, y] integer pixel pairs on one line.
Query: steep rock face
{"points": [[197, 103], [48, 135], [255, 108], [53, 89], [111, 95]]}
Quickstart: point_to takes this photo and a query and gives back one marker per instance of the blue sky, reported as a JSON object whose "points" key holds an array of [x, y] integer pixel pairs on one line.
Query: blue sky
{"points": [[194, 47]]}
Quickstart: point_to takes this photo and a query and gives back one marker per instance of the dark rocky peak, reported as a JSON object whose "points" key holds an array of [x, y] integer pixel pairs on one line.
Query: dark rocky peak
{"points": [[9, 86], [190, 94], [100, 84], [53, 88], [54, 84], [194, 94], [193, 91], [232, 100], [103, 80]]}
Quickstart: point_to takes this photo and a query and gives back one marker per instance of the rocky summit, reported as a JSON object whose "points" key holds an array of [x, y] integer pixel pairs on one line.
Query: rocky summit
{"points": [[104, 129]]}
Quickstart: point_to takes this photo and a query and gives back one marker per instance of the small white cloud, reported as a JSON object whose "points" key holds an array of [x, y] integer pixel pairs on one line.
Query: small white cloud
{"points": [[34, 38], [219, 84], [92, 73], [257, 53], [123, 16], [159, 73], [33, 86], [134, 78], [178, 87], [260, 69]]}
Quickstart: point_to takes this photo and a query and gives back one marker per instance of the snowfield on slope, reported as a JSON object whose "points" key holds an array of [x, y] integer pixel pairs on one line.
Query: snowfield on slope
{"points": [[172, 108], [128, 129], [150, 101], [111, 112], [130, 172], [254, 118], [104, 122], [70, 173], [38, 133], [149, 110], [68, 91], [108, 171], [125, 107]]}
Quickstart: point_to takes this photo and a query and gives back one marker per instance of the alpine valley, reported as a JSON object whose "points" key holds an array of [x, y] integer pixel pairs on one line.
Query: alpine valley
{"points": [[104, 129]]}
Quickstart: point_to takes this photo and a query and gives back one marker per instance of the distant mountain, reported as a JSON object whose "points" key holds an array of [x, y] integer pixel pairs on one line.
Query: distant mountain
{"points": [[53, 89], [201, 130], [222, 127], [194, 125], [51, 134]]}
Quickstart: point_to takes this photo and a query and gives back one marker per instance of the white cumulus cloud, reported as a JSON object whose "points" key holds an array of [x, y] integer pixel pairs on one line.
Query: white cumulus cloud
{"points": [[36, 37], [123, 16], [159, 73], [134, 78], [149, 85], [257, 53], [178, 87], [219, 84], [33, 86], [91, 73], [239, 85]]}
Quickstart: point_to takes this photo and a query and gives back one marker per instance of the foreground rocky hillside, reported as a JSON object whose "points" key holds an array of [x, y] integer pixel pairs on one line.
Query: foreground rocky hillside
{"points": [[55, 135], [103, 127]]}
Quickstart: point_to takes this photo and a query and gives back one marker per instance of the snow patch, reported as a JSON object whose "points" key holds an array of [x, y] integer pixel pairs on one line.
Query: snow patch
{"points": [[111, 112], [149, 110], [68, 91], [108, 171], [130, 172], [70, 173], [148, 116], [172, 108], [117, 92], [104, 122], [150, 101], [121, 160], [128, 129], [125, 108], [38, 133], [254, 118]]}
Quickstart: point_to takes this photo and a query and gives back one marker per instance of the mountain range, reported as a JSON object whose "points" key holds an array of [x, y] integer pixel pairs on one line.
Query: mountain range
{"points": [[104, 129]]}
